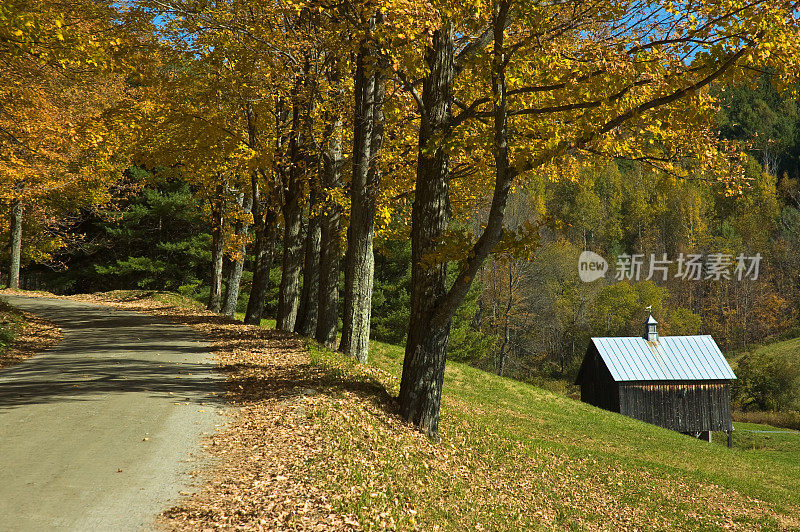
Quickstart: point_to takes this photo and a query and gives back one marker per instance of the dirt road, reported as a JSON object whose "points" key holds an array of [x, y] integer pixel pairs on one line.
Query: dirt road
{"points": [[100, 432]]}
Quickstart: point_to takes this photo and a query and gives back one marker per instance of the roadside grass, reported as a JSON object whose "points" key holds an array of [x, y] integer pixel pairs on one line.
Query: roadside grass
{"points": [[23, 335], [267, 323], [11, 322], [783, 444], [515, 456]]}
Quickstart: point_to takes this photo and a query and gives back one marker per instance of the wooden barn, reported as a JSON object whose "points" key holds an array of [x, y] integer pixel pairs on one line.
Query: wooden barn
{"points": [[681, 383]]}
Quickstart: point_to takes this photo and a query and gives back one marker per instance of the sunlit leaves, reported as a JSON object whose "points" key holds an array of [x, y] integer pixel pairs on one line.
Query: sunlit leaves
{"points": [[62, 86]]}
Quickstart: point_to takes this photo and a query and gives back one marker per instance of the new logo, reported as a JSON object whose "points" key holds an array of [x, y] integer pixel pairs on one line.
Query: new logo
{"points": [[591, 266]]}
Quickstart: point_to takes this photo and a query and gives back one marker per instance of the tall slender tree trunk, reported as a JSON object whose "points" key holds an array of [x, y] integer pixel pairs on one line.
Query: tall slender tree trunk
{"points": [[245, 202], [426, 346], [217, 249], [432, 305], [359, 269], [289, 294], [264, 221], [503, 354], [17, 212], [330, 246], [307, 314]]}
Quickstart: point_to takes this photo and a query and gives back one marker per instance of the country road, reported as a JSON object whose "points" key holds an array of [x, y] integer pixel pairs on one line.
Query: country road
{"points": [[100, 432]]}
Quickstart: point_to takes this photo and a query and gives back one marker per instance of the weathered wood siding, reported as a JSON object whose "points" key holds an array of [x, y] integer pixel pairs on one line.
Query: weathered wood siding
{"points": [[597, 385], [680, 406]]}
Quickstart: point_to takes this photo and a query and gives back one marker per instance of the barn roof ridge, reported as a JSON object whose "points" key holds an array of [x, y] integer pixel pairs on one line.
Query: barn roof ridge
{"points": [[659, 336]]}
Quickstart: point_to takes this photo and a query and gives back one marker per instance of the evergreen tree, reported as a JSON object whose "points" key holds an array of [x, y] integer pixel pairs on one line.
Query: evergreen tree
{"points": [[157, 240]]}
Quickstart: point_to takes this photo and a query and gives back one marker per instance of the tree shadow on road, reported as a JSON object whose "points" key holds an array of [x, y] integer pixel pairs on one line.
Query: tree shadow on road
{"points": [[58, 378], [105, 351]]}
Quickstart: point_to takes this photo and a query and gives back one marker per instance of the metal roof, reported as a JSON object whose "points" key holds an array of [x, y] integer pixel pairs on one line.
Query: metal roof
{"points": [[671, 358]]}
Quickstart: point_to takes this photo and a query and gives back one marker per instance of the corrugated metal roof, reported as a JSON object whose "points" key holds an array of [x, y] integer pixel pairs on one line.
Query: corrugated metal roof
{"points": [[671, 358]]}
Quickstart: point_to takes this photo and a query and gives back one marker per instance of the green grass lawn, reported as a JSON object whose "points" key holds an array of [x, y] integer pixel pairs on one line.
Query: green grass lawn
{"points": [[782, 347], [513, 455]]}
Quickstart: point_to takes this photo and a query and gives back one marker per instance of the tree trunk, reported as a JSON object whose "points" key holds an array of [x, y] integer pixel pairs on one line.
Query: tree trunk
{"points": [[293, 179], [306, 322], [432, 305], [501, 362], [17, 211], [264, 220], [330, 246], [245, 202], [501, 356], [426, 346], [288, 297], [217, 250], [359, 269]]}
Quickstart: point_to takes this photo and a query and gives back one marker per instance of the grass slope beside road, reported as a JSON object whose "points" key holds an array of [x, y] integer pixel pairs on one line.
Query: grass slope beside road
{"points": [[516, 456], [315, 443], [11, 321]]}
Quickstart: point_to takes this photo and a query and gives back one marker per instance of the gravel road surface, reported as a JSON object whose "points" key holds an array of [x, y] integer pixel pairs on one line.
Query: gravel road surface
{"points": [[101, 431]]}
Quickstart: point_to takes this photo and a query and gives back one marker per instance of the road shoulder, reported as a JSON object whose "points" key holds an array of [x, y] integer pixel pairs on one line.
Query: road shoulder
{"points": [[32, 334]]}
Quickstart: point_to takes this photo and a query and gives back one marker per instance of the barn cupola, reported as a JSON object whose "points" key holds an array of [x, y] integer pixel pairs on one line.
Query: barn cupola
{"points": [[651, 329]]}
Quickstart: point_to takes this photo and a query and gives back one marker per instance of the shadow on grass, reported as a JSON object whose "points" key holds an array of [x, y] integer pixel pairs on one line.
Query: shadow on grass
{"points": [[331, 374], [250, 385]]}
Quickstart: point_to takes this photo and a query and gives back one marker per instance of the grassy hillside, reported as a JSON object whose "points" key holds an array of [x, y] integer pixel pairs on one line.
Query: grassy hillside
{"points": [[780, 349], [513, 456], [792, 345], [768, 388], [320, 435]]}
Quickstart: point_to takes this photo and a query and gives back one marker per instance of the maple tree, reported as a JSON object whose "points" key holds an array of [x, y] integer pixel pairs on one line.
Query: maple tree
{"points": [[244, 203], [330, 220], [305, 78], [368, 132], [564, 81], [209, 120], [63, 114]]}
